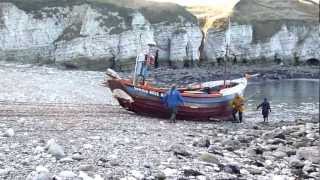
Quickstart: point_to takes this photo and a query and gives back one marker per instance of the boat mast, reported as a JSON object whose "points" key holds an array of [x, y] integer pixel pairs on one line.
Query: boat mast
{"points": [[136, 65], [228, 39]]}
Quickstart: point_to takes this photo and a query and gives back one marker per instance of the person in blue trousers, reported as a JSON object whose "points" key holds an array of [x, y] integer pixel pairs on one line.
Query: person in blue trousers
{"points": [[173, 99], [265, 106]]}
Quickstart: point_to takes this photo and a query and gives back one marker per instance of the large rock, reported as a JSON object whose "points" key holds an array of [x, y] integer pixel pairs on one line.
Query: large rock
{"points": [[232, 168], [55, 149], [202, 142], [224, 176], [95, 34], [311, 153], [4, 172], [9, 133], [210, 158], [231, 144], [214, 149], [41, 173], [266, 30], [191, 172], [66, 175], [178, 149], [281, 177], [294, 162]]}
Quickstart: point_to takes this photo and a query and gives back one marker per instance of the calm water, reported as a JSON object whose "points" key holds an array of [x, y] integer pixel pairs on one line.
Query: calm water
{"points": [[289, 99]]}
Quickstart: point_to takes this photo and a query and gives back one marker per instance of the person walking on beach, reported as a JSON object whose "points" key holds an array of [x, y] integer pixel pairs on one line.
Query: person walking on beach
{"points": [[156, 63], [265, 106], [237, 107], [172, 99]]}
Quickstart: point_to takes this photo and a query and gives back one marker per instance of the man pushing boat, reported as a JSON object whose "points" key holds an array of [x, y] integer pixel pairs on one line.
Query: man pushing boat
{"points": [[237, 107], [172, 100]]}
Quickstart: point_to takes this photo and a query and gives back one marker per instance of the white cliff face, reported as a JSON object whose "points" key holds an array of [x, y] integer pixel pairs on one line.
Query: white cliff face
{"points": [[89, 37], [300, 40], [179, 44]]}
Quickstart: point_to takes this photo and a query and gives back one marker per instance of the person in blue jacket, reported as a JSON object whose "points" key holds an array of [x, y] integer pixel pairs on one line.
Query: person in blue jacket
{"points": [[173, 99]]}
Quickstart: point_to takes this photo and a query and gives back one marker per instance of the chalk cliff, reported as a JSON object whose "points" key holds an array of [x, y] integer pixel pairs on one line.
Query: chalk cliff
{"points": [[96, 34], [266, 30], [92, 34]]}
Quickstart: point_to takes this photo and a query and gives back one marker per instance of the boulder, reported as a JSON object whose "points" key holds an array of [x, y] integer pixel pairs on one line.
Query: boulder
{"points": [[210, 158], [308, 167], [281, 177], [170, 172], [4, 172], [215, 149], [254, 170], [41, 173], [55, 149], [137, 174], [38, 150], [311, 153], [160, 175], [276, 141], [289, 150], [78, 156], [191, 172], [85, 176], [232, 168], [66, 160], [9, 133], [225, 176], [66, 175], [279, 154], [202, 142], [39, 176], [178, 149], [245, 139], [294, 162], [231, 145], [86, 167]]}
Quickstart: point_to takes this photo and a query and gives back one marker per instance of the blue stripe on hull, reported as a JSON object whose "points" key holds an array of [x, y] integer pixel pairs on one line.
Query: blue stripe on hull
{"points": [[201, 102], [215, 100], [135, 92]]}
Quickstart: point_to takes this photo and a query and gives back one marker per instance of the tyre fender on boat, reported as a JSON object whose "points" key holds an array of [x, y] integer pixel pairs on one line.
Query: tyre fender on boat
{"points": [[119, 93]]}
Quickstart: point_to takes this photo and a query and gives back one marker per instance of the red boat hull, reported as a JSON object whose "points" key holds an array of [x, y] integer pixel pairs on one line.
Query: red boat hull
{"points": [[153, 106]]}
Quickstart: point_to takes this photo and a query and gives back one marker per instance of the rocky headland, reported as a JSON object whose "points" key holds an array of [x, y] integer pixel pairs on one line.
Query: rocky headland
{"points": [[93, 34], [266, 30]]}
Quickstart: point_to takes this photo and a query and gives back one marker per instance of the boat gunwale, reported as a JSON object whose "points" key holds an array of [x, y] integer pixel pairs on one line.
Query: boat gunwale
{"points": [[163, 90]]}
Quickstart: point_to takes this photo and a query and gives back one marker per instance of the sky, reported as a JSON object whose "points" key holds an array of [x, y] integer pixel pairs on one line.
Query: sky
{"points": [[200, 2], [205, 2]]}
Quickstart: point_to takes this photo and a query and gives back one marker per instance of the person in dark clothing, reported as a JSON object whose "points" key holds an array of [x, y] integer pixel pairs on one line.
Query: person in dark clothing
{"points": [[172, 99], [156, 63], [265, 106]]}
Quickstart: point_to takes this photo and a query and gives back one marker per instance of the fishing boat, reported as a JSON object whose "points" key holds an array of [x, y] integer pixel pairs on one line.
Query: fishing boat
{"points": [[205, 101]]}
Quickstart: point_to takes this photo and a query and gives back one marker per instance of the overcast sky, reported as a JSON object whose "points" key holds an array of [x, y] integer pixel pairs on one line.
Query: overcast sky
{"points": [[200, 2], [205, 2]]}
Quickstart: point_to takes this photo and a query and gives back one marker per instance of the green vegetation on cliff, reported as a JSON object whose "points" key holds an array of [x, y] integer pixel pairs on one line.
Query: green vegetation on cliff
{"points": [[154, 12], [267, 17]]}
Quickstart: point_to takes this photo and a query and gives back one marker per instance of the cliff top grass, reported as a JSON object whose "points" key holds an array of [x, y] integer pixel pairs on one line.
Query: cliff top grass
{"points": [[263, 10], [153, 11], [268, 16]]}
